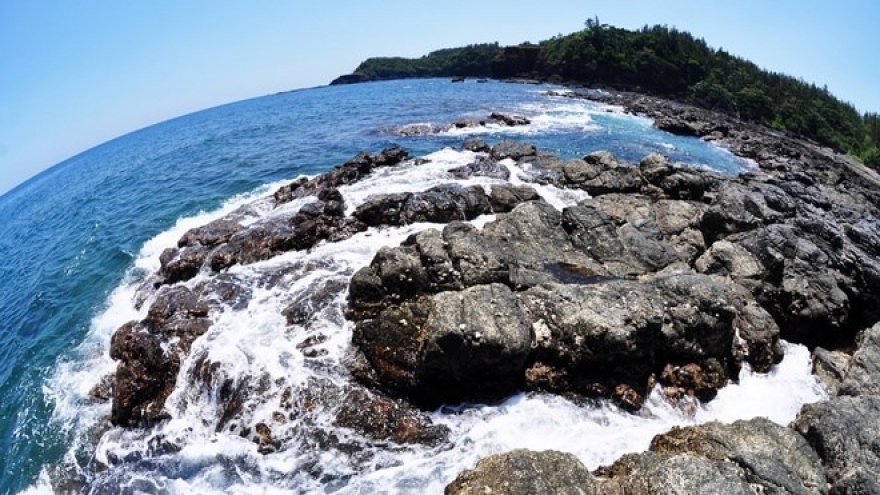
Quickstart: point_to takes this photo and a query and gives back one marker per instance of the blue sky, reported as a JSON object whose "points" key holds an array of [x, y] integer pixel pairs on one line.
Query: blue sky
{"points": [[76, 74]]}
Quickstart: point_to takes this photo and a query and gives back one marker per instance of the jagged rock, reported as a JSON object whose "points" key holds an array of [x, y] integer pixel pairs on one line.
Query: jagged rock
{"points": [[845, 433], [440, 204], [766, 454], [747, 457], [509, 120], [504, 197], [381, 418], [476, 145], [601, 173], [349, 172], [211, 234], [513, 150], [524, 472], [415, 130], [863, 373], [149, 354], [482, 168], [798, 285], [448, 348], [830, 368]]}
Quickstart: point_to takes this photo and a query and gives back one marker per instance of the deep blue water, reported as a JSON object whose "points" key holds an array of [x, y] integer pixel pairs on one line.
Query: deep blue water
{"points": [[68, 236]]}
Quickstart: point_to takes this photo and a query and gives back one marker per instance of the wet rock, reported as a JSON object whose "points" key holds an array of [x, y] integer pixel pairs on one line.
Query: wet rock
{"points": [[211, 234], [476, 145], [481, 168], [524, 472], [150, 352], [180, 265], [509, 120], [415, 130], [263, 438], [504, 197], [351, 171], [439, 204], [450, 347], [382, 418], [513, 150], [143, 377]]}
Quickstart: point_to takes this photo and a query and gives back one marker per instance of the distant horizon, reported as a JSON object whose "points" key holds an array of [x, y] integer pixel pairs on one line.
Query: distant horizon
{"points": [[67, 86]]}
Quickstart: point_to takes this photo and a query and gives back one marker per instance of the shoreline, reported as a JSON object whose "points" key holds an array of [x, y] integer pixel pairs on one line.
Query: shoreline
{"points": [[325, 221]]}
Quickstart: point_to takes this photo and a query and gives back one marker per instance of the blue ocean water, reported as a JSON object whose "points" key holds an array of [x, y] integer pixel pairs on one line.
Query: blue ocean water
{"points": [[69, 235]]}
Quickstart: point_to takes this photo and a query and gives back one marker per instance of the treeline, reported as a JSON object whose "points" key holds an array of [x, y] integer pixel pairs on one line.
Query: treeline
{"points": [[672, 63], [468, 61], [662, 61]]}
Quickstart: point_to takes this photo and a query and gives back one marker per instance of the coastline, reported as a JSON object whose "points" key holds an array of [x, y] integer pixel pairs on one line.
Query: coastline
{"points": [[328, 222]]}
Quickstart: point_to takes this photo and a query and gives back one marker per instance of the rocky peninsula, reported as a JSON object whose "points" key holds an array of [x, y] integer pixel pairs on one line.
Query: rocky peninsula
{"points": [[666, 275]]}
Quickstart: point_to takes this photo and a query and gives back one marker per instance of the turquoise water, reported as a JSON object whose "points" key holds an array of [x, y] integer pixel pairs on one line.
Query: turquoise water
{"points": [[69, 236]]}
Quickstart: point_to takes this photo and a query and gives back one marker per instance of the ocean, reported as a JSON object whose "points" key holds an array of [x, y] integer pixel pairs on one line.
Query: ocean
{"points": [[77, 240]]}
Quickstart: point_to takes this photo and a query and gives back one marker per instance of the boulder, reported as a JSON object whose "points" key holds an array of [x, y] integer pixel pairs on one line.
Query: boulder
{"points": [[845, 433], [439, 204], [448, 348], [513, 150], [863, 373], [766, 454], [524, 472], [382, 418], [481, 168]]}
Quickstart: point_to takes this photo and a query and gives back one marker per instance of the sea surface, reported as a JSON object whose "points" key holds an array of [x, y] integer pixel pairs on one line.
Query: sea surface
{"points": [[76, 241]]}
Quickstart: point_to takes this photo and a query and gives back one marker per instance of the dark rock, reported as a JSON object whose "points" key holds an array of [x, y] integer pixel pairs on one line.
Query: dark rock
{"points": [[143, 377], [382, 418], [505, 197], [211, 234], [448, 348], [481, 168], [767, 455], [440, 204], [476, 145], [845, 433], [798, 287], [863, 374], [524, 472], [509, 120], [180, 265], [601, 173], [830, 368], [150, 352], [415, 130], [738, 208], [513, 150]]}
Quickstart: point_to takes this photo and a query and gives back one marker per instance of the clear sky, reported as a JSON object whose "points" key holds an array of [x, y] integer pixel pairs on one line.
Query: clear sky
{"points": [[74, 74]]}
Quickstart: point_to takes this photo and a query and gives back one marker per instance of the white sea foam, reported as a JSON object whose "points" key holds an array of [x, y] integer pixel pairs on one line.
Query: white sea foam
{"points": [[254, 353]]}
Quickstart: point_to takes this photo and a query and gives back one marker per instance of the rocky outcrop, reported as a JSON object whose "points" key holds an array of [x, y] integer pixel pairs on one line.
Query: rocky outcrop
{"points": [[665, 275], [523, 472], [225, 242], [747, 457], [830, 448], [493, 119]]}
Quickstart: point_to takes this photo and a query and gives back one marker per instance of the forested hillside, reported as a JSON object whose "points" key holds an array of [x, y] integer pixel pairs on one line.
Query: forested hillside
{"points": [[661, 61]]}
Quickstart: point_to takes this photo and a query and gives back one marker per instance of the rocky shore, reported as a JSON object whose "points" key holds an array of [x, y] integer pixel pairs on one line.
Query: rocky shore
{"points": [[666, 275]]}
